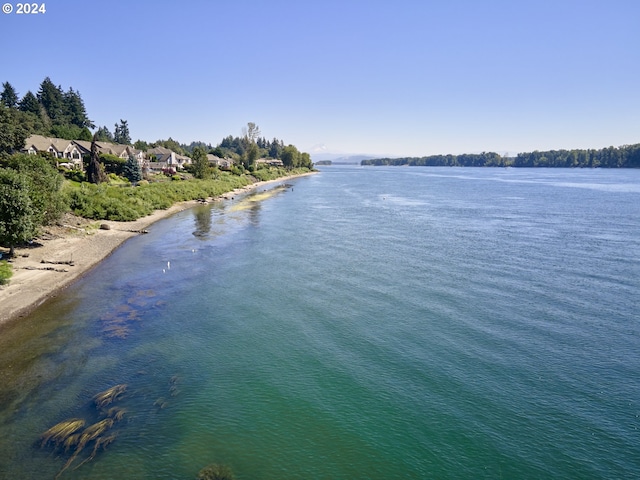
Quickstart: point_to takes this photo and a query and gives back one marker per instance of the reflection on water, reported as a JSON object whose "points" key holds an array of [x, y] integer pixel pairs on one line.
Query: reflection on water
{"points": [[202, 218]]}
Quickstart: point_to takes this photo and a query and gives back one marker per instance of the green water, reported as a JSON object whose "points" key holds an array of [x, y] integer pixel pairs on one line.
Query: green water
{"points": [[366, 323]]}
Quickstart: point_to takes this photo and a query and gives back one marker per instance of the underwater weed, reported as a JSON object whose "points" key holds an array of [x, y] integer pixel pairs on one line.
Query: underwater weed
{"points": [[107, 397], [60, 433], [216, 472]]}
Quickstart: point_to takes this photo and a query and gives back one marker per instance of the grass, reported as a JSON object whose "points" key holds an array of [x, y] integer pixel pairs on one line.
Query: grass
{"points": [[6, 272], [126, 203]]}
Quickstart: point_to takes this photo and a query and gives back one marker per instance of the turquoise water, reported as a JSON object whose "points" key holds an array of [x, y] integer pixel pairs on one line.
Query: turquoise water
{"points": [[364, 323]]}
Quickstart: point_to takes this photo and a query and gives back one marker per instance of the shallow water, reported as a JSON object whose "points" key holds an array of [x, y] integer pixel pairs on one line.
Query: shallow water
{"points": [[366, 323]]}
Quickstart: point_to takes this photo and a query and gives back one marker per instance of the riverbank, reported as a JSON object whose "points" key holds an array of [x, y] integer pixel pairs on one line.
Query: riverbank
{"points": [[65, 252]]}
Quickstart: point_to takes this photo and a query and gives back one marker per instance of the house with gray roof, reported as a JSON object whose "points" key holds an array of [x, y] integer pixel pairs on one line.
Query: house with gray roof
{"points": [[67, 152], [119, 150], [216, 161], [165, 160]]}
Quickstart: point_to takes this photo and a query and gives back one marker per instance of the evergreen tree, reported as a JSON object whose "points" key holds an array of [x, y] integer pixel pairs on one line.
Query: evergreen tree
{"points": [[52, 99], [121, 133], [132, 170], [103, 135], [85, 134], [75, 111], [95, 172], [275, 149], [30, 104], [9, 97], [141, 145]]}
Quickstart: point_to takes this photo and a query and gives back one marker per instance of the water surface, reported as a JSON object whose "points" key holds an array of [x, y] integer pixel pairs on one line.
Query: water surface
{"points": [[360, 323]]}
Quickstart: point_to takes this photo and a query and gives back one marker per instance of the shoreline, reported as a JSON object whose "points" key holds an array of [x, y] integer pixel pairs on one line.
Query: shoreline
{"points": [[63, 254]]}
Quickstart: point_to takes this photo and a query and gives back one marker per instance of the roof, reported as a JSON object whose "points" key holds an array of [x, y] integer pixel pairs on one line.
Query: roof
{"points": [[159, 151], [42, 144]]}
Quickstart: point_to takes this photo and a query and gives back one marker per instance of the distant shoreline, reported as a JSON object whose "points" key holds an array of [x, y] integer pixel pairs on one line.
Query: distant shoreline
{"points": [[63, 255]]}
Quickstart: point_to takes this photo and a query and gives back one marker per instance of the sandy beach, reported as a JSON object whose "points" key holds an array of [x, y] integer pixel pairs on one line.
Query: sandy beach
{"points": [[65, 252]]}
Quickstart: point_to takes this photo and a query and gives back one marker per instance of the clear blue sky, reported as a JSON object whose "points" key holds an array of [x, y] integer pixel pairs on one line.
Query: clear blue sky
{"points": [[397, 77]]}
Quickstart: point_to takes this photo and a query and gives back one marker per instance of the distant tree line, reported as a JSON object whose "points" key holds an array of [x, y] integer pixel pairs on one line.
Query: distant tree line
{"points": [[485, 159], [626, 156]]}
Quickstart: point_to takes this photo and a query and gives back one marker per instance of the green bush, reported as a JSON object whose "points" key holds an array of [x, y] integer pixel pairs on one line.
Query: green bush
{"points": [[113, 163], [126, 203], [75, 175], [6, 272], [107, 202]]}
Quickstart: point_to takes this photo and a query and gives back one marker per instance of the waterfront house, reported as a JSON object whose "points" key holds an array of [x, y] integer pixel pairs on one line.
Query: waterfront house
{"points": [[67, 153], [216, 161]]}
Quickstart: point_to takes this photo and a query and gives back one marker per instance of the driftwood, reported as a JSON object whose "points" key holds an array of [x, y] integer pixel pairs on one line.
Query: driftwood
{"points": [[51, 269], [63, 262]]}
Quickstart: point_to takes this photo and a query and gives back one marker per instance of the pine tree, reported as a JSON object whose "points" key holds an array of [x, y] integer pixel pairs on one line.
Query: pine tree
{"points": [[52, 99], [132, 170], [75, 111], [30, 104], [104, 135], [9, 97], [121, 134]]}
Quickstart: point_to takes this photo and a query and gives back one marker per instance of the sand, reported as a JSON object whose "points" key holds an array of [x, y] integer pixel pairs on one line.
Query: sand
{"points": [[65, 252]]}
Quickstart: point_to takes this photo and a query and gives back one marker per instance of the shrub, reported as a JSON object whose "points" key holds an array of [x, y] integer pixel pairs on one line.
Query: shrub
{"points": [[112, 163], [110, 202], [6, 272]]}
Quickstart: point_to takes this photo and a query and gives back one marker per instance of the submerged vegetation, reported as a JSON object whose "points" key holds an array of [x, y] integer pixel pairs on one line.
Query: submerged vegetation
{"points": [[110, 395], [71, 436], [216, 472], [79, 440]]}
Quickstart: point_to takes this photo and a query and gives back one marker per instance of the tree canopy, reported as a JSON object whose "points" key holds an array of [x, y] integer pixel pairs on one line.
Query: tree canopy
{"points": [[17, 223], [9, 97], [200, 163], [12, 131], [51, 112], [121, 133]]}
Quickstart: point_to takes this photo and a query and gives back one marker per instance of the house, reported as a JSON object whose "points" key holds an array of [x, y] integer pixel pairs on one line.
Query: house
{"points": [[272, 162], [216, 161], [66, 150], [119, 150], [160, 159], [165, 160]]}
